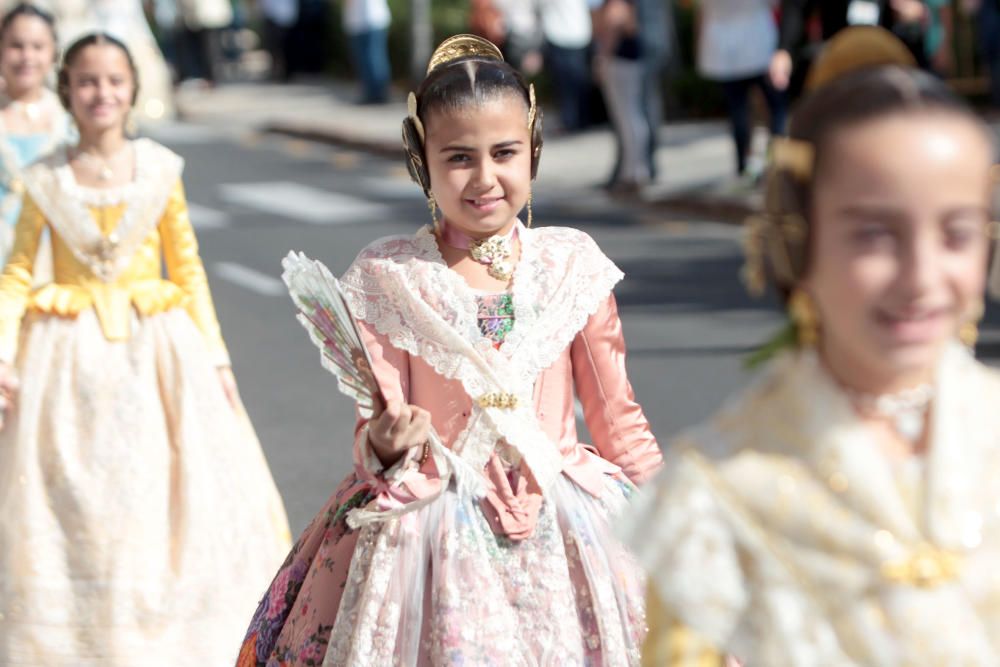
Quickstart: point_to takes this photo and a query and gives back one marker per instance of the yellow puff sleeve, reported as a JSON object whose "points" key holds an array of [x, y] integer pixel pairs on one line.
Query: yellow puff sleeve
{"points": [[184, 267], [16, 280], [670, 643]]}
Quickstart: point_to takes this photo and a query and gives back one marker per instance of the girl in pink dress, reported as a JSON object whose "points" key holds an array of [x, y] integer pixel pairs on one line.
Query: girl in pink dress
{"points": [[481, 328]]}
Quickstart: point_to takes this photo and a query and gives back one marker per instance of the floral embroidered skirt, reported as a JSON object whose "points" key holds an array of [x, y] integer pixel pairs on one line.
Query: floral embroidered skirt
{"points": [[138, 518], [438, 587]]}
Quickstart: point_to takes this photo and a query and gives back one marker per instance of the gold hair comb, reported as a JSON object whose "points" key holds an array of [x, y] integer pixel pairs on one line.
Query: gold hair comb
{"points": [[793, 155], [460, 46]]}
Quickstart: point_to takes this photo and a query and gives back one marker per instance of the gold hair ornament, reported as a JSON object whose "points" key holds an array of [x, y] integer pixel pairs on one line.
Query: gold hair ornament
{"points": [[462, 46], [803, 312], [411, 111], [795, 156], [764, 237]]}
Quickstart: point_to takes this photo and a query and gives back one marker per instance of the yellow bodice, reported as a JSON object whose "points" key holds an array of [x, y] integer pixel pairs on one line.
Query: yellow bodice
{"points": [[141, 285]]}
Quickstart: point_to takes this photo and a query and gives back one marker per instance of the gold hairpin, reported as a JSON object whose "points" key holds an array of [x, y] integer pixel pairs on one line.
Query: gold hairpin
{"points": [[793, 155], [460, 46]]}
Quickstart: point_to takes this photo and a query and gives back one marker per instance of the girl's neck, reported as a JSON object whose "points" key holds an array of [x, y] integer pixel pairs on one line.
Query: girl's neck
{"points": [[105, 144], [24, 95], [451, 230], [856, 378]]}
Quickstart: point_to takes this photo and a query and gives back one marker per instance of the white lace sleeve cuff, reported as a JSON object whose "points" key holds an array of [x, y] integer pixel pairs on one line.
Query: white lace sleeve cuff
{"points": [[370, 461]]}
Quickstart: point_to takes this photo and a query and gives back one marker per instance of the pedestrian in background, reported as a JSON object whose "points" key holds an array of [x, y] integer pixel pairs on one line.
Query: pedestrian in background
{"points": [[279, 17], [657, 48], [907, 19], [987, 13], [366, 23], [137, 513], [568, 32], [619, 68], [735, 43], [523, 42], [199, 49]]}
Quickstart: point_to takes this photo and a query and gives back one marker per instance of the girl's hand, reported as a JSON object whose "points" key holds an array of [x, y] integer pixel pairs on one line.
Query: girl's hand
{"points": [[396, 428], [9, 386], [228, 381]]}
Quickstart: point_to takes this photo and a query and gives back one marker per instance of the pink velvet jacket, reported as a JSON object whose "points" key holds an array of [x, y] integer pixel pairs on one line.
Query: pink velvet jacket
{"points": [[579, 348]]}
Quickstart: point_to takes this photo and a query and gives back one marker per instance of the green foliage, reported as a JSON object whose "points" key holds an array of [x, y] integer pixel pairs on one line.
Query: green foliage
{"points": [[786, 339]]}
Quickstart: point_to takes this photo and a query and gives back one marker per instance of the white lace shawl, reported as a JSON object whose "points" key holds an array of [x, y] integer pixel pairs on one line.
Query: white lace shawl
{"points": [[770, 526], [402, 287], [64, 203]]}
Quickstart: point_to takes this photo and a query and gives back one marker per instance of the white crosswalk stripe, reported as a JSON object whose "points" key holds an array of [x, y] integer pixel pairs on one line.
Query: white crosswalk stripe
{"points": [[203, 217], [248, 278], [301, 202]]}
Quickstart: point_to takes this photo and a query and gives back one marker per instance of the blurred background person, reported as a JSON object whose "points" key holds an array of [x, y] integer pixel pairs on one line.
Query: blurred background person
{"points": [[938, 36], [199, 47], [568, 31], [366, 23], [619, 69], [906, 18], [279, 18], [657, 46], [987, 13], [735, 43], [522, 41]]}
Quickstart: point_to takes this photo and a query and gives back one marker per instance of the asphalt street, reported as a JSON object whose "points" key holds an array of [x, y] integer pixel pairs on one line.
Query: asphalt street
{"points": [[688, 322]]}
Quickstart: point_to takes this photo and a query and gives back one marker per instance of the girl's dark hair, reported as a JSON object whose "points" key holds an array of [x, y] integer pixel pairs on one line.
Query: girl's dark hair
{"points": [[847, 101], [31, 11], [93, 39], [466, 82]]}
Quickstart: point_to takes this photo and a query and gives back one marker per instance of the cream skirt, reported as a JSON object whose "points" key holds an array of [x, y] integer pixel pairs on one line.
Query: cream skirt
{"points": [[138, 518]]}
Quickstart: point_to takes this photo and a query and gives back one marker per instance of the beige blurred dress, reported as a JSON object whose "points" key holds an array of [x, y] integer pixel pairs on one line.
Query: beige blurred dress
{"points": [[780, 533], [138, 518]]}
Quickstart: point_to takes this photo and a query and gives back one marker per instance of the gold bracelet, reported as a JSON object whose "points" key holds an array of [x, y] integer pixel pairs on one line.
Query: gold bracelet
{"points": [[426, 453]]}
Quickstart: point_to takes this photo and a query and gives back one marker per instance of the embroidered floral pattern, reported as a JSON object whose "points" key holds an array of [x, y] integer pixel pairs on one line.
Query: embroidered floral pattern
{"points": [[496, 316]]}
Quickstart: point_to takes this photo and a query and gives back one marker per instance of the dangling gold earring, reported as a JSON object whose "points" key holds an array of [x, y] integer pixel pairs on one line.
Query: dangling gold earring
{"points": [[432, 205], [529, 209], [803, 313], [968, 332]]}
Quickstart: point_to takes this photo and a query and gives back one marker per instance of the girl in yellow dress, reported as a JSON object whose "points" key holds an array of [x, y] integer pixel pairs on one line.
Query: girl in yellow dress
{"points": [[138, 519], [845, 509]]}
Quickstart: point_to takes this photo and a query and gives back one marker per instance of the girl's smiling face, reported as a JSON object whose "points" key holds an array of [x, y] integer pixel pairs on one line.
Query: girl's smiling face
{"points": [[479, 160], [27, 53], [101, 88], [899, 243]]}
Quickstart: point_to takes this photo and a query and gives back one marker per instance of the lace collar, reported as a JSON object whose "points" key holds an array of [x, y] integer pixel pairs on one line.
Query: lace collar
{"points": [[66, 205]]}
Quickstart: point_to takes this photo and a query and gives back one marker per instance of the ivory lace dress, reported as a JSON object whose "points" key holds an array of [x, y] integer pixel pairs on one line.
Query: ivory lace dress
{"points": [[138, 518], [779, 533], [513, 562]]}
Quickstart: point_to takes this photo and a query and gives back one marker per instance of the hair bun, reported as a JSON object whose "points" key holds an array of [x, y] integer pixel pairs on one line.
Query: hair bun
{"points": [[462, 46], [854, 49]]}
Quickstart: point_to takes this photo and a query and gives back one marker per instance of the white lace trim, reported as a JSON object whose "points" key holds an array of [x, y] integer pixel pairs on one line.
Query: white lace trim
{"points": [[402, 287], [65, 204]]}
